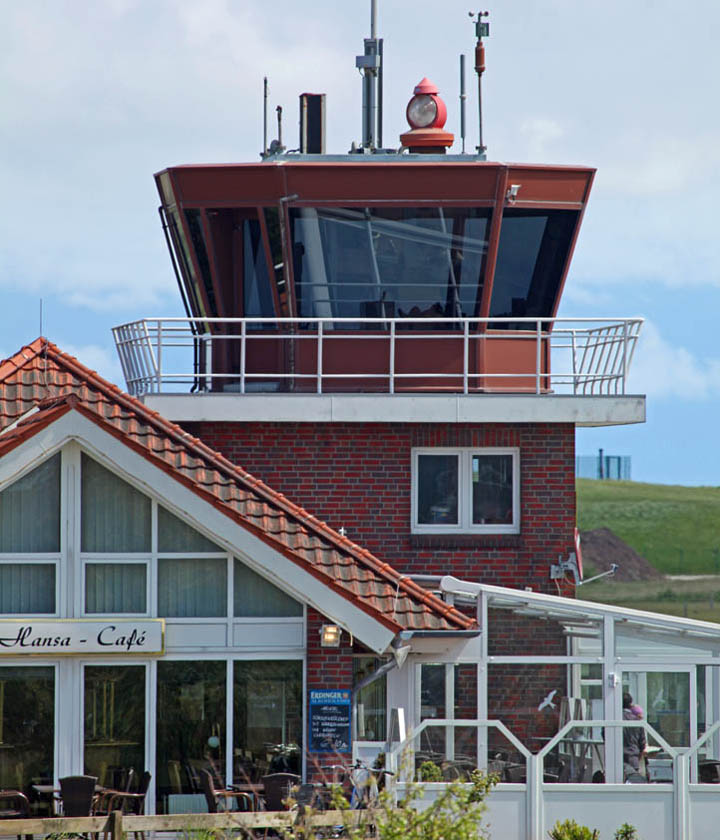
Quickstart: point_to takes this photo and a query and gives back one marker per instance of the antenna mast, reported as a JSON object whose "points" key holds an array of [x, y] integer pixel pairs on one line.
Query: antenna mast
{"points": [[370, 65], [265, 107], [482, 30], [463, 97]]}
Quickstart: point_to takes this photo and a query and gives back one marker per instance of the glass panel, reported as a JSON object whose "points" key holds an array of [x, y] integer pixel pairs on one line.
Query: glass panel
{"points": [[177, 536], [192, 588], [197, 237], [256, 284], [190, 732], [379, 262], [27, 588], [268, 719], [518, 630], [466, 737], [708, 694], [492, 489], [115, 588], [432, 705], [114, 723], [184, 258], [256, 597], [30, 511], [115, 516], [663, 698], [27, 730], [437, 488], [371, 700], [644, 640], [533, 703], [532, 253]]}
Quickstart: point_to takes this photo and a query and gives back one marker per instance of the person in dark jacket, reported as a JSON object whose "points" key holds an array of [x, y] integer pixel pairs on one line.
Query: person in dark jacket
{"points": [[634, 741]]}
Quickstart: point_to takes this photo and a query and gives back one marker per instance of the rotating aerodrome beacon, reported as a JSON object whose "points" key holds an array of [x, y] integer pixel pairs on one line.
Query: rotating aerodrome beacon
{"points": [[337, 502]]}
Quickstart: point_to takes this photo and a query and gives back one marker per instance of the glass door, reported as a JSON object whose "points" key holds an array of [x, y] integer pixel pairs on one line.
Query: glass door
{"points": [[114, 723], [191, 726], [27, 730], [666, 700]]}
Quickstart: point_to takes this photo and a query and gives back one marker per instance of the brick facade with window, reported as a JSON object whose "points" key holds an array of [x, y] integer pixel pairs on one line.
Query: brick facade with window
{"points": [[358, 476]]}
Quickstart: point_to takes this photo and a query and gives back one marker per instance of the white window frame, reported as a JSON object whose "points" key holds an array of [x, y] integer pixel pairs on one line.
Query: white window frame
{"points": [[465, 524]]}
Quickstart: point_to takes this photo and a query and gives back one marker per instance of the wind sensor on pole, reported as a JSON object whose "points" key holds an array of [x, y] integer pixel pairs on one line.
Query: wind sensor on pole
{"points": [[482, 30]]}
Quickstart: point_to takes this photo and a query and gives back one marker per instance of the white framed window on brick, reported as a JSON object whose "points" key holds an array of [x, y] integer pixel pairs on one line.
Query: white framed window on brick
{"points": [[466, 490]]}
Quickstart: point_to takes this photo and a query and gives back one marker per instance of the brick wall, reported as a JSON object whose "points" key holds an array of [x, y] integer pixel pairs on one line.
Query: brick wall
{"points": [[327, 669], [357, 475]]}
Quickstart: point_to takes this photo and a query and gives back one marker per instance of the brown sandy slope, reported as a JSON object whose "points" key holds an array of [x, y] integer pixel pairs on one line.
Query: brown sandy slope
{"points": [[601, 547]]}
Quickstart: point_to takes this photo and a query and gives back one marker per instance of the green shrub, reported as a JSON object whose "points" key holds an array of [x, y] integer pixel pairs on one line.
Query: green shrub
{"points": [[626, 832], [430, 772], [570, 830], [456, 813]]}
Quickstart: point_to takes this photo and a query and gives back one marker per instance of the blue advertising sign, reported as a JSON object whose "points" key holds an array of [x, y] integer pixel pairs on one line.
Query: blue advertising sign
{"points": [[329, 721]]}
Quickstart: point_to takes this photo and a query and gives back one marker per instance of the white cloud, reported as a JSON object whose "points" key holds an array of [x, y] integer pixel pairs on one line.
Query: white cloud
{"points": [[663, 370], [540, 135]]}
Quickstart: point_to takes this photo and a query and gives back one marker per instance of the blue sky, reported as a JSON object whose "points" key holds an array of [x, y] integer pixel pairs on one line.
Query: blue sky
{"points": [[96, 98]]}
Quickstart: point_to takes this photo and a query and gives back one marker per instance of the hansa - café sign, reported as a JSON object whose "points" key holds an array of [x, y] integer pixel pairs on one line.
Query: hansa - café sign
{"points": [[109, 637]]}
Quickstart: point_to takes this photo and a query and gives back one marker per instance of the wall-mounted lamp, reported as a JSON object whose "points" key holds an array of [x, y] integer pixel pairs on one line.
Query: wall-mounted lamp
{"points": [[330, 635], [512, 193]]}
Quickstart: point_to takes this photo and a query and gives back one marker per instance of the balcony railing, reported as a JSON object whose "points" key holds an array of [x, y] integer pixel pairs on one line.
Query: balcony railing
{"points": [[387, 355]]}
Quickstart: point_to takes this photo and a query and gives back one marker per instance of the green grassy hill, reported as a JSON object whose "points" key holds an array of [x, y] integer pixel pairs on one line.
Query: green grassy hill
{"points": [[676, 528]]}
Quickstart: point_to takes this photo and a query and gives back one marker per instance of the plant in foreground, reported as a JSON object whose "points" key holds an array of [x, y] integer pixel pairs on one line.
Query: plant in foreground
{"points": [[627, 832], [456, 812], [570, 830]]}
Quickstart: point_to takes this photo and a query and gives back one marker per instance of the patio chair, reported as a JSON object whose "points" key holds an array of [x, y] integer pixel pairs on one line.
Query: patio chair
{"points": [[515, 773], [103, 799], [129, 802], [709, 772], [77, 794], [218, 800], [277, 789], [14, 805]]}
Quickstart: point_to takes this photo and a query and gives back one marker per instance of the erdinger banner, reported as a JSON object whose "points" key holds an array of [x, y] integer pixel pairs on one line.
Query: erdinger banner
{"points": [[72, 636]]}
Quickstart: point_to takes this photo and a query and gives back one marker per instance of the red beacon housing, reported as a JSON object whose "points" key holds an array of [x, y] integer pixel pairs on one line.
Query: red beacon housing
{"points": [[426, 113]]}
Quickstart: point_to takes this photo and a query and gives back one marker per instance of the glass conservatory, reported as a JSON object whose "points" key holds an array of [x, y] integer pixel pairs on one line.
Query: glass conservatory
{"points": [[580, 709]]}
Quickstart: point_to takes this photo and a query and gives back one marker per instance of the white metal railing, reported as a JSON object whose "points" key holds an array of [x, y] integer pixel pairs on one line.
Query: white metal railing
{"points": [[170, 355], [679, 808]]}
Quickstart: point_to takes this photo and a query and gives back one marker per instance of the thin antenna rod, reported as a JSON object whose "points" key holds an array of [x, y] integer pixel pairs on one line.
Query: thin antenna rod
{"points": [[463, 97], [370, 65], [380, 95], [41, 317], [265, 107], [482, 30]]}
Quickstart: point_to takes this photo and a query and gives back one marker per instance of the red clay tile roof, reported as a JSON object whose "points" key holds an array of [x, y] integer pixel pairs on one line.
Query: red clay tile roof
{"points": [[40, 376]]}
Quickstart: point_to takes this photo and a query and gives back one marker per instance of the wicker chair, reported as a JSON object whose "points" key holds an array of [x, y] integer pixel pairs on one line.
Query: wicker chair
{"points": [[219, 800], [277, 789], [77, 795], [128, 802], [14, 805]]}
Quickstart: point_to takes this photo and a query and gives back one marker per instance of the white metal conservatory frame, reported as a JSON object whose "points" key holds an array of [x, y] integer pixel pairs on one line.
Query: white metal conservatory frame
{"points": [[620, 640]]}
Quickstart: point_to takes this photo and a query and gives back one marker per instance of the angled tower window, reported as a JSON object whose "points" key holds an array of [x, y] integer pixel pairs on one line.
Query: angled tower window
{"points": [[30, 511], [175, 536], [255, 597], [115, 516]]}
